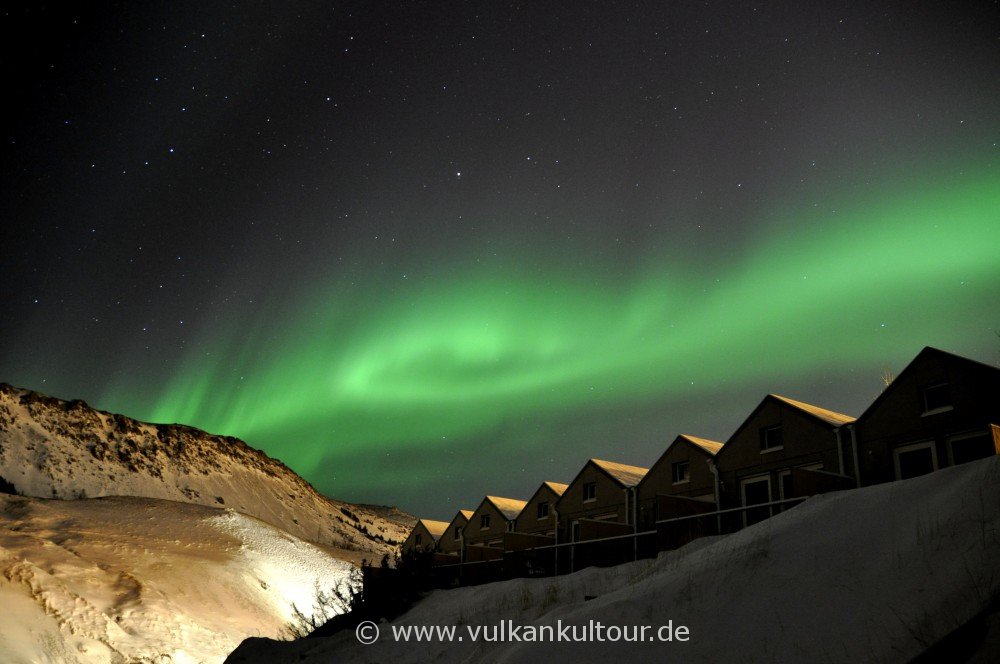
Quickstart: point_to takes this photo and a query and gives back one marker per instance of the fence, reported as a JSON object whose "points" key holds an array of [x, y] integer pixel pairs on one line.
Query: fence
{"points": [[567, 557]]}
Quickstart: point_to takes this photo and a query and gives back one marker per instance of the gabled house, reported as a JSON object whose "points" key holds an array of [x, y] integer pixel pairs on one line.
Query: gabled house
{"points": [[494, 517], [681, 481], [425, 535], [539, 515], [941, 410], [603, 492], [451, 539], [782, 442]]}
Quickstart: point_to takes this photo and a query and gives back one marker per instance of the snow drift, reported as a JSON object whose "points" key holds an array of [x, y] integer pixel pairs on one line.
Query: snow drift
{"points": [[133, 579], [878, 574]]}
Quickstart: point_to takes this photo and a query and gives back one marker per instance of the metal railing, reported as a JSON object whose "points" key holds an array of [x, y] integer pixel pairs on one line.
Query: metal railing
{"points": [[602, 551]]}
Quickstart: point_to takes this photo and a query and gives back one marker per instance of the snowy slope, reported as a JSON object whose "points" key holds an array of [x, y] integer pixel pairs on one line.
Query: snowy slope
{"points": [[136, 579], [52, 448], [874, 575]]}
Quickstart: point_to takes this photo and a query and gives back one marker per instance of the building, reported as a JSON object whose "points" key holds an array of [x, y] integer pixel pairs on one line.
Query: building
{"points": [[600, 501], [681, 481], [451, 539], [784, 449], [539, 514], [487, 525], [941, 410], [424, 536]]}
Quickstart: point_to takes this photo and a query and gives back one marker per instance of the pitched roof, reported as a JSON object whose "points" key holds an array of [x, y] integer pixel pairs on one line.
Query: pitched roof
{"points": [[622, 473], [435, 528], [927, 350], [463, 515], [710, 446], [828, 416], [557, 487], [509, 507]]}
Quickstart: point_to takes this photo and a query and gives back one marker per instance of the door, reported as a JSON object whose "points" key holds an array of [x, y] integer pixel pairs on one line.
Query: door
{"points": [[756, 490]]}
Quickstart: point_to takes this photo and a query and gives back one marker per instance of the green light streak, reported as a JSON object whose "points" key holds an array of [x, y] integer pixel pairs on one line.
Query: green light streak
{"points": [[457, 355]]}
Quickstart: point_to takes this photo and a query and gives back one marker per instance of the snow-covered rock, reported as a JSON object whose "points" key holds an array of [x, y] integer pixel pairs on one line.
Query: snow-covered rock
{"points": [[143, 580], [51, 448], [878, 574]]}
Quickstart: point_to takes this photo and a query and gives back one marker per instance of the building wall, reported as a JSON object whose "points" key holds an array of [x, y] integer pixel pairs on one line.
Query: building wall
{"points": [[475, 534], [610, 500], [899, 417], [426, 540], [806, 441], [448, 542], [528, 522], [659, 479]]}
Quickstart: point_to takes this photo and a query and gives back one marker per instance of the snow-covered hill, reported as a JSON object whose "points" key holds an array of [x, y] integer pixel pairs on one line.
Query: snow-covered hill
{"points": [[879, 574], [52, 448], [142, 580]]}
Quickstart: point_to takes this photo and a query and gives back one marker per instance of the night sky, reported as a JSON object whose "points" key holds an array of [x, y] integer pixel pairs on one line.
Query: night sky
{"points": [[425, 251]]}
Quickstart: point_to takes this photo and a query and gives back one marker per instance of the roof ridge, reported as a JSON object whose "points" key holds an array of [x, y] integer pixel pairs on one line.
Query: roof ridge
{"points": [[707, 444], [623, 473], [434, 527], [826, 414]]}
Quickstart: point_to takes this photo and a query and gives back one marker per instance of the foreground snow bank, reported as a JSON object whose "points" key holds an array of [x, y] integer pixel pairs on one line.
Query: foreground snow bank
{"points": [[877, 575], [134, 579]]}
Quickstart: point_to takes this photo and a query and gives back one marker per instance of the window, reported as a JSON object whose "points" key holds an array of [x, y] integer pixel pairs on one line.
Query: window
{"points": [[937, 398], [915, 459], [681, 472], [458, 532], [543, 510], [756, 490], [771, 439], [589, 491], [484, 521], [419, 539], [969, 448]]}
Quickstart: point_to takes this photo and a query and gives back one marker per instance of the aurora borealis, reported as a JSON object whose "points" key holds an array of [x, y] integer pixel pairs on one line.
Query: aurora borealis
{"points": [[421, 259]]}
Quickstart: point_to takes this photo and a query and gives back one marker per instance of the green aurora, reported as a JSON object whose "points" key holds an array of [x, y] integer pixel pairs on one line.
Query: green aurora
{"points": [[485, 353]]}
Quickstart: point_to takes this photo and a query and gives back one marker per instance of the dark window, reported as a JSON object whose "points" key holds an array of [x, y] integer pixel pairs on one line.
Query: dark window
{"points": [[770, 438], [590, 491], [970, 449], [458, 532], [756, 492], [936, 396], [681, 471], [543, 510], [419, 539], [915, 461], [484, 521]]}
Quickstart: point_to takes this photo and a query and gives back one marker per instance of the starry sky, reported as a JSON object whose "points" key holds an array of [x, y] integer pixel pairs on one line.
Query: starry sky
{"points": [[426, 251]]}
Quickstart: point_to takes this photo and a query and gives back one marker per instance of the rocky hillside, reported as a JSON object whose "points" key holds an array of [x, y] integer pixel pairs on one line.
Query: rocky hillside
{"points": [[113, 580], [50, 448]]}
